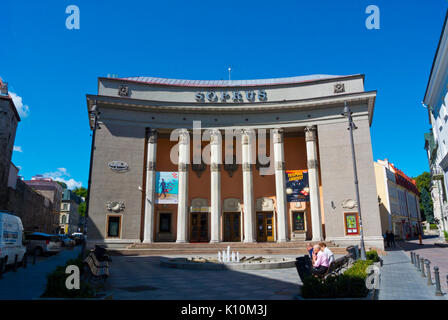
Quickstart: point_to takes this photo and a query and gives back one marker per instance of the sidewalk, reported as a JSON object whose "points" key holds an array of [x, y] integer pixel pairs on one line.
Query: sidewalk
{"points": [[29, 283], [400, 280]]}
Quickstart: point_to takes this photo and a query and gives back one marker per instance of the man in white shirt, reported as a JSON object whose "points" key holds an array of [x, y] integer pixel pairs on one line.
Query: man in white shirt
{"points": [[327, 252]]}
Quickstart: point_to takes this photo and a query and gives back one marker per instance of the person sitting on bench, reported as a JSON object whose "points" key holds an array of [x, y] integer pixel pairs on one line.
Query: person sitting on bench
{"points": [[309, 248], [321, 264], [328, 252]]}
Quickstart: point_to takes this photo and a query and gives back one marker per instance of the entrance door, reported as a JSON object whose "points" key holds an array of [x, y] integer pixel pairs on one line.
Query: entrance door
{"points": [[265, 226], [232, 226], [199, 227]]}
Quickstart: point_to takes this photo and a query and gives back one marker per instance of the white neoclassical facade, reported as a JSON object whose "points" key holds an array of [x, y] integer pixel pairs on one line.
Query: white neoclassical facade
{"points": [[231, 161]]}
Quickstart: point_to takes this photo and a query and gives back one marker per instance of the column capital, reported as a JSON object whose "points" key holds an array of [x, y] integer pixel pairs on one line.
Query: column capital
{"points": [[280, 165], [184, 136], [215, 167], [215, 136], [246, 134], [152, 135], [278, 134], [310, 133]]}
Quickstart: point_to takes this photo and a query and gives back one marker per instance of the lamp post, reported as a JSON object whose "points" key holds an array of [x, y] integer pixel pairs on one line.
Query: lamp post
{"points": [[93, 113], [351, 126]]}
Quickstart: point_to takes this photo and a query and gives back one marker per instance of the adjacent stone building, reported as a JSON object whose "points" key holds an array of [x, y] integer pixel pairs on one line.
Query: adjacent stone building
{"points": [[9, 119], [231, 161], [436, 141], [69, 219], [398, 198]]}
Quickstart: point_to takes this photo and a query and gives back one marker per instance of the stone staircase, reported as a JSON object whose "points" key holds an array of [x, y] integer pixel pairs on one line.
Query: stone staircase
{"points": [[262, 248]]}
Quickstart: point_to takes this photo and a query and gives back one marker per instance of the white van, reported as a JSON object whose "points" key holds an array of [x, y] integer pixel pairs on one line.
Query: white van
{"points": [[11, 238]]}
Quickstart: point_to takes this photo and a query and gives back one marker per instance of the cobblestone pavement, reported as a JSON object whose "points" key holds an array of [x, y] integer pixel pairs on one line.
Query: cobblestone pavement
{"points": [[29, 283], [400, 280], [141, 277], [437, 255]]}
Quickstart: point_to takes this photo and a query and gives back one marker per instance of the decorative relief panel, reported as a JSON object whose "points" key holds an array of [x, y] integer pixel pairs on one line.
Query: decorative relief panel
{"points": [[339, 88], [264, 204], [231, 205], [349, 204], [123, 91], [115, 206]]}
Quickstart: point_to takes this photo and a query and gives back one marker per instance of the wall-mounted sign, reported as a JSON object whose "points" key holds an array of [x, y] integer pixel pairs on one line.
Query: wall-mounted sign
{"points": [[351, 223], [118, 166], [298, 221], [234, 96], [297, 189], [167, 184]]}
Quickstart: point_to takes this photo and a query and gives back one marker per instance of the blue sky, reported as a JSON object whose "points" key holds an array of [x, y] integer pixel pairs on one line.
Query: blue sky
{"points": [[52, 68]]}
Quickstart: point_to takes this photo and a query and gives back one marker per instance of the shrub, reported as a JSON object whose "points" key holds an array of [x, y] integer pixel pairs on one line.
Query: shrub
{"points": [[446, 235], [56, 283], [350, 284], [372, 255], [433, 226]]}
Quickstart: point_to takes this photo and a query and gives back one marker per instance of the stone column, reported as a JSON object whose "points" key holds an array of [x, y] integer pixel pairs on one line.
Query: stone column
{"points": [[148, 235], [280, 184], [215, 167], [313, 177], [248, 189], [182, 211]]}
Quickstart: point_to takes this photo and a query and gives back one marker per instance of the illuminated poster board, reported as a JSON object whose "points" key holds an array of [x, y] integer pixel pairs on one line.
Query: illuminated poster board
{"points": [[297, 188], [351, 223], [298, 221], [167, 184]]}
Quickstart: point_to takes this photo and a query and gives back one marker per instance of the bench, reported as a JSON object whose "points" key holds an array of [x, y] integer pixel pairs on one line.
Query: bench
{"points": [[305, 269], [97, 265]]}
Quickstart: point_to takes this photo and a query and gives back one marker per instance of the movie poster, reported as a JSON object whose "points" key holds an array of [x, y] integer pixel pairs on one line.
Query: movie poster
{"points": [[166, 187], [297, 189]]}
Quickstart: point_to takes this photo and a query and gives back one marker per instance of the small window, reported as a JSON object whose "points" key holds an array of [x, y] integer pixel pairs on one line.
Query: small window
{"points": [[165, 222], [298, 221], [64, 219], [113, 226]]}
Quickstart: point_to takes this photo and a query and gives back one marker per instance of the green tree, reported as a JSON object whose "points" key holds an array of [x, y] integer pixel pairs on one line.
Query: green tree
{"points": [[423, 182], [63, 184], [82, 209], [82, 192]]}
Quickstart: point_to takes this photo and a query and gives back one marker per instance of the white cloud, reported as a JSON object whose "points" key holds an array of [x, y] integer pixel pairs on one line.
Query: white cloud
{"points": [[22, 109], [62, 175], [18, 148]]}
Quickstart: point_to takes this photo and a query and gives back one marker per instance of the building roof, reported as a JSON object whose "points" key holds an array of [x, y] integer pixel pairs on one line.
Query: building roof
{"points": [[230, 83]]}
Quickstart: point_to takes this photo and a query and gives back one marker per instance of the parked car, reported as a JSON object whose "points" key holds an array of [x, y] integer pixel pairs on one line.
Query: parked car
{"points": [[78, 237], [43, 243], [67, 241], [12, 243]]}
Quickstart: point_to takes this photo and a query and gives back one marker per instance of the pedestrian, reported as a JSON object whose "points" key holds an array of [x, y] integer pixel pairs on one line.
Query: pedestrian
{"points": [[392, 239], [387, 238]]}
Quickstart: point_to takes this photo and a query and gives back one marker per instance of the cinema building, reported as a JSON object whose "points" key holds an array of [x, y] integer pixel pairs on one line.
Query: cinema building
{"points": [[149, 185]]}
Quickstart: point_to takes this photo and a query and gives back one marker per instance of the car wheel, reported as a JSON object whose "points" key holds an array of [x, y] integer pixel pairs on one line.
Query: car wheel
{"points": [[38, 251]]}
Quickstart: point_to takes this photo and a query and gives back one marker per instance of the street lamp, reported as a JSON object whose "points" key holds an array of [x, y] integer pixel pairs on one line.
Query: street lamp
{"points": [[351, 126], [92, 113]]}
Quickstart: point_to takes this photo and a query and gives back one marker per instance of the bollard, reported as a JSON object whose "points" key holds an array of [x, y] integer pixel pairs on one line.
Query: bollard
{"points": [[437, 280], [412, 258], [25, 260], [422, 263], [447, 280], [15, 264], [417, 265], [428, 268]]}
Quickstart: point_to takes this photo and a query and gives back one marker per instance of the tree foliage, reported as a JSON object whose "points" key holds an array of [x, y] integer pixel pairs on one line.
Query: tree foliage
{"points": [[63, 184], [82, 209], [423, 182], [82, 192]]}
